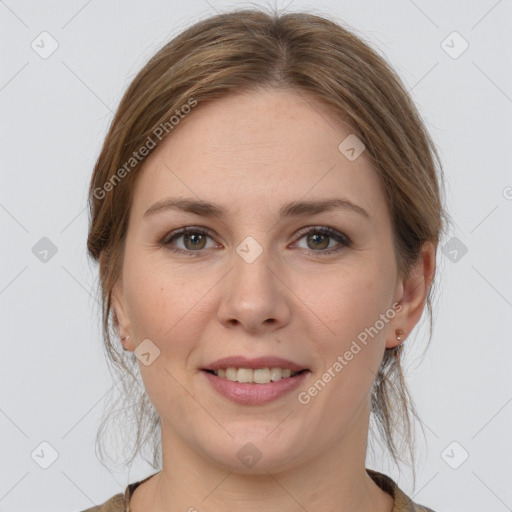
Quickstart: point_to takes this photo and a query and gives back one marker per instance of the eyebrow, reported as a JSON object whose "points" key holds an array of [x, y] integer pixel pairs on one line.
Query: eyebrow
{"points": [[293, 209]]}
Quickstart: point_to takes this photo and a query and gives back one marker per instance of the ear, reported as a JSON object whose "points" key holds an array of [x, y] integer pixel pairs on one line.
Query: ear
{"points": [[412, 294], [120, 316]]}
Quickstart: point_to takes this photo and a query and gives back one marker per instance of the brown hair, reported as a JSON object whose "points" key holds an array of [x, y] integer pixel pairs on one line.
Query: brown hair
{"points": [[246, 50]]}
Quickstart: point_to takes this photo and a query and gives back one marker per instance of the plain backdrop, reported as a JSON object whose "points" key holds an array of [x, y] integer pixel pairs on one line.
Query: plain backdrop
{"points": [[455, 58]]}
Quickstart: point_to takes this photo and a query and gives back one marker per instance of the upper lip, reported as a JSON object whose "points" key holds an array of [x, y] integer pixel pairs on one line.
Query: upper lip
{"points": [[259, 362]]}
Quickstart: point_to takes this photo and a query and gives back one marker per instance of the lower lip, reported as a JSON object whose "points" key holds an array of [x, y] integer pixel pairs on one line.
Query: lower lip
{"points": [[254, 394]]}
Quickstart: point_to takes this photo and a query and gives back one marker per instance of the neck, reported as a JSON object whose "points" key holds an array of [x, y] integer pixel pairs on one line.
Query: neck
{"points": [[335, 479]]}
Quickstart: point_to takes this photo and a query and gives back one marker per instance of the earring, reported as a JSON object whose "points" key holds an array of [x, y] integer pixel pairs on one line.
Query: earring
{"points": [[399, 334], [125, 338]]}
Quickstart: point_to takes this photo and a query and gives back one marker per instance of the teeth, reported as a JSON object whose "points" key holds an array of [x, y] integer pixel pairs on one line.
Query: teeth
{"points": [[276, 374], [231, 374], [261, 376], [258, 376], [244, 375]]}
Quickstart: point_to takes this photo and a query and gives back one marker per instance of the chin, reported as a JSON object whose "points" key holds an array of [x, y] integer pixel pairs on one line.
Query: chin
{"points": [[254, 454]]}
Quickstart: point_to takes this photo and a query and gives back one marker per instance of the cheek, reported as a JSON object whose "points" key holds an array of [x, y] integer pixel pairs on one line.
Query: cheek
{"points": [[161, 307], [161, 297], [355, 308], [348, 301], [351, 349]]}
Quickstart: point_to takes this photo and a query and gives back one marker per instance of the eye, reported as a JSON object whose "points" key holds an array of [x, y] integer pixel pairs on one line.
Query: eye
{"points": [[194, 240], [318, 240]]}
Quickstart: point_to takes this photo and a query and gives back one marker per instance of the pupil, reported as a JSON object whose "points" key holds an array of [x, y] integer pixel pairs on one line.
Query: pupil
{"points": [[194, 238], [315, 238]]}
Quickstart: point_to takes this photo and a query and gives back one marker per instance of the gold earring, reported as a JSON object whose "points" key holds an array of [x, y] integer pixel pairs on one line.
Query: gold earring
{"points": [[399, 334]]}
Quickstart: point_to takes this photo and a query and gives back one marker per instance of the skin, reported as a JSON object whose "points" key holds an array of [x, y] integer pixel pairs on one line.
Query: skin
{"points": [[252, 153]]}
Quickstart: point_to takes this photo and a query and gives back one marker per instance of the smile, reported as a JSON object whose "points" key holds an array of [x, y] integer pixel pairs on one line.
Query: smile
{"points": [[256, 376], [249, 392]]}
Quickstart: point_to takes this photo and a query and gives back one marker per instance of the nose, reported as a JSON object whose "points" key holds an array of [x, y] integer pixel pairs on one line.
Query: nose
{"points": [[254, 296]]}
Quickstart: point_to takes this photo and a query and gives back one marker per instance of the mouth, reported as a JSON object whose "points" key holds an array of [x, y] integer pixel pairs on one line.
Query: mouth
{"points": [[254, 381], [255, 376]]}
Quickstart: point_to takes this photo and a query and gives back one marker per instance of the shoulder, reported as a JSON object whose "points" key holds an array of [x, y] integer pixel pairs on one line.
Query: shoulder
{"points": [[119, 502], [402, 502], [114, 504]]}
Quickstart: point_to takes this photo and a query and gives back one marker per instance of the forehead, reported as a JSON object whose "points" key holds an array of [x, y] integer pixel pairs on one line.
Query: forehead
{"points": [[260, 148]]}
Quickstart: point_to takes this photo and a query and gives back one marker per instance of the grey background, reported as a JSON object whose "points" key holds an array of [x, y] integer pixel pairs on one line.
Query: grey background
{"points": [[55, 112]]}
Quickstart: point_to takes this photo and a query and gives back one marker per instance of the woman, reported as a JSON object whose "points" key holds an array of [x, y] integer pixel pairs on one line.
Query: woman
{"points": [[265, 211]]}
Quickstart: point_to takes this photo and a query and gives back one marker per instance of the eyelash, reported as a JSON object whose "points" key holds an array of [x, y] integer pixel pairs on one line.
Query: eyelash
{"points": [[322, 230]]}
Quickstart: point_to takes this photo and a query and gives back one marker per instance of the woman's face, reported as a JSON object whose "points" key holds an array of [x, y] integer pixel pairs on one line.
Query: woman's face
{"points": [[253, 283]]}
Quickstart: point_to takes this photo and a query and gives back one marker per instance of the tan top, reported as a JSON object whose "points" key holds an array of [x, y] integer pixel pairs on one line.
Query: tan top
{"points": [[402, 503]]}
